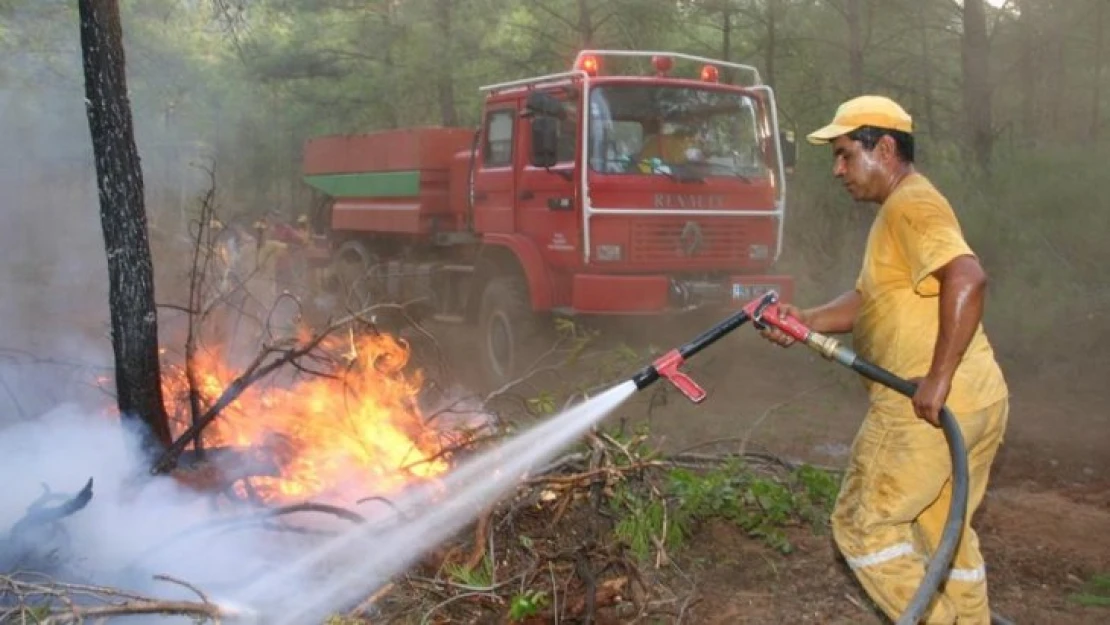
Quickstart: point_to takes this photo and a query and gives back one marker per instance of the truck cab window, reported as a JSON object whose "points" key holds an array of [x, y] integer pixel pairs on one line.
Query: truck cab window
{"points": [[646, 129], [498, 150]]}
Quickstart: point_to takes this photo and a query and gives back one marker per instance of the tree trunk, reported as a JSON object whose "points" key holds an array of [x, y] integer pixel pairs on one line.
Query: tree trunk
{"points": [[445, 84], [855, 45], [976, 82], [726, 32], [726, 40], [1096, 91], [928, 106], [123, 221], [585, 25], [770, 49], [389, 66], [1027, 69]]}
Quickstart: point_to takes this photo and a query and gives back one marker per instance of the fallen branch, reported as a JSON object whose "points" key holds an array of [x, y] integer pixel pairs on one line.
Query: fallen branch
{"points": [[54, 603], [251, 520]]}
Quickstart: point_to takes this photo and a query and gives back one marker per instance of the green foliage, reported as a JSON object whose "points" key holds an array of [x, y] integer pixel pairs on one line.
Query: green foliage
{"points": [[480, 576], [542, 404], [1095, 593], [527, 604], [762, 506]]}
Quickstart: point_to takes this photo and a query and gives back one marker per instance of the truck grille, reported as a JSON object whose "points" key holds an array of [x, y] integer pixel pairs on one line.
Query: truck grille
{"points": [[668, 239]]}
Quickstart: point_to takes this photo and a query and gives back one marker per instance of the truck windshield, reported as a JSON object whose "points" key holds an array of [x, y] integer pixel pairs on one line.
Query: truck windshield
{"points": [[687, 131]]}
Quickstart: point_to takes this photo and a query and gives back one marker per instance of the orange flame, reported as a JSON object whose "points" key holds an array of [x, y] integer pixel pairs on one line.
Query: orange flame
{"points": [[357, 431]]}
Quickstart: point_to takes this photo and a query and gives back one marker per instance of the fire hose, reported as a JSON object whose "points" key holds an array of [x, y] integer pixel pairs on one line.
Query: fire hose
{"points": [[765, 311]]}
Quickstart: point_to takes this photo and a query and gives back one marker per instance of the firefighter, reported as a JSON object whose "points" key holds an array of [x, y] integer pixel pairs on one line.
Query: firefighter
{"points": [[915, 310], [665, 141]]}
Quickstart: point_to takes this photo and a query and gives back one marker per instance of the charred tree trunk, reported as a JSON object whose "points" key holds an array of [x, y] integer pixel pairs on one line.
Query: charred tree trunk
{"points": [[976, 82], [123, 221]]}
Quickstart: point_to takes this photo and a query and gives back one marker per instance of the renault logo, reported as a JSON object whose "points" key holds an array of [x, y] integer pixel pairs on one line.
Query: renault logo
{"points": [[691, 240]]}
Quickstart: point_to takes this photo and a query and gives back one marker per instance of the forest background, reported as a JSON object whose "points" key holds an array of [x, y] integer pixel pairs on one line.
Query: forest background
{"points": [[1008, 99]]}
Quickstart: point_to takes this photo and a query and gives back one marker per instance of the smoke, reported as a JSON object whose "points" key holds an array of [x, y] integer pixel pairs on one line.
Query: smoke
{"points": [[55, 282], [134, 527], [55, 428]]}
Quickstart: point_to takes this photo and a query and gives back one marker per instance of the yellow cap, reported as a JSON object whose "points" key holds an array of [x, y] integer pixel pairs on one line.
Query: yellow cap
{"points": [[865, 110], [302, 219]]}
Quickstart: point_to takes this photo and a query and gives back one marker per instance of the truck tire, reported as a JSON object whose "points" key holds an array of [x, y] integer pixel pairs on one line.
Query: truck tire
{"points": [[509, 332]]}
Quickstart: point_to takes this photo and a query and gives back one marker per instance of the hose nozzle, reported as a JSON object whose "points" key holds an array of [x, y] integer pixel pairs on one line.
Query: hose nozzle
{"points": [[667, 366], [766, 312]]}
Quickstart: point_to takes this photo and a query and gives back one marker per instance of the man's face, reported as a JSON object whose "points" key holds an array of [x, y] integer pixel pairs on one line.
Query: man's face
{"points": [[858, 169]]}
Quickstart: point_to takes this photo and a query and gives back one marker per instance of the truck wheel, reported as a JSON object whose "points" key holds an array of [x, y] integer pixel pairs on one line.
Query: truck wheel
{"points": [[509, 331]]}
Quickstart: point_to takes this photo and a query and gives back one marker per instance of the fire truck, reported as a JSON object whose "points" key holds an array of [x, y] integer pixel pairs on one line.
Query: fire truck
{"points": [[637, 183]]}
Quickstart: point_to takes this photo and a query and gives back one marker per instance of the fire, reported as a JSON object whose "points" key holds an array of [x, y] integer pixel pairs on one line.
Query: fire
{"points": [[356, 431]]}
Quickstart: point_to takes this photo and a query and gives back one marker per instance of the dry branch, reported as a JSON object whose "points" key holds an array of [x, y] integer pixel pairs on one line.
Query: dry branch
{"points": [[56, 603]]}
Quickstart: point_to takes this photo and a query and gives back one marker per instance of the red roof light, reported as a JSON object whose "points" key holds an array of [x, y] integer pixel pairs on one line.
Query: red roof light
{"points": [[589, 64], [662, 64]]}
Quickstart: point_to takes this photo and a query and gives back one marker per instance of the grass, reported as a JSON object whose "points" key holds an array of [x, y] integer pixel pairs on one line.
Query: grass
{"points": [[762, 506], [1095, 593]]}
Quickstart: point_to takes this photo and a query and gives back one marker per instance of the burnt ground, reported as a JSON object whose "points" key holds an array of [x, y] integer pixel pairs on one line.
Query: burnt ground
{"points": [[1043, 526]]}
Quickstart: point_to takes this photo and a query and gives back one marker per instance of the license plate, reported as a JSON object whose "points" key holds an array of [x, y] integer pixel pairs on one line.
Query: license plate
{"points": [[748, 292]]}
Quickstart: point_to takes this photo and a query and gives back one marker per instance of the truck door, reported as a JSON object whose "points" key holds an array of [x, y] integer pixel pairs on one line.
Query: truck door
{"points": [[494, 178], [548, 211]]}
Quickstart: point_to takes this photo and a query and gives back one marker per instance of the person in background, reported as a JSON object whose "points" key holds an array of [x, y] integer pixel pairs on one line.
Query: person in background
{"points": [[916, 310], [665, 141]]}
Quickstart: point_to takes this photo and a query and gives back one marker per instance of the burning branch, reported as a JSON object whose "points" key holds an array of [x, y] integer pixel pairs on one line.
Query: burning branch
{"points": [[200, 266], [254, 372]]}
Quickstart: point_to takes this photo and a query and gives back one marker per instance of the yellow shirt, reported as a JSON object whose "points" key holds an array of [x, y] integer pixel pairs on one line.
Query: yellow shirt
{"points": [[669, 148], [915, 233]]}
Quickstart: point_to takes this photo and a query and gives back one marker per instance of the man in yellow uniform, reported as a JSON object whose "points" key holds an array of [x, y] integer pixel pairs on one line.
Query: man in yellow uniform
{"points": [[915, 310]]}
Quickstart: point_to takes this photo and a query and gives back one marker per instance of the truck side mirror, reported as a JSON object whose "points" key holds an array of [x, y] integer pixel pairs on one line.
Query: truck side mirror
{"points": [[541, 104], [789, 149], [545, 141]]}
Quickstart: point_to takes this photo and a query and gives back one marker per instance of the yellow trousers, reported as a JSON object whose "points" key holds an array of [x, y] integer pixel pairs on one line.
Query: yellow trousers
{"points": [[893, 503]]}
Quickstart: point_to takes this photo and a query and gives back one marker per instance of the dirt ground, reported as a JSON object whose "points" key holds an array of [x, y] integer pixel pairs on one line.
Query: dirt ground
{"points": [[1043, 526]]}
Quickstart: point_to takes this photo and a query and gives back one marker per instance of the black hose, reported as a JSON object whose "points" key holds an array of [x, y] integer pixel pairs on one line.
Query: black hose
{"points": [[938, 565]]}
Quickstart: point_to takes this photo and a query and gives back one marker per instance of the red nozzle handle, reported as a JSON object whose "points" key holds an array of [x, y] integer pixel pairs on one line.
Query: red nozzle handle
{"points": [[773, 315], [667, 365]]}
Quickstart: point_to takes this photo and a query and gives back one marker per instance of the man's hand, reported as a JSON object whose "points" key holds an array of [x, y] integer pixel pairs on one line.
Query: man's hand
{"points": [[775, 335], [932, 393]]}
